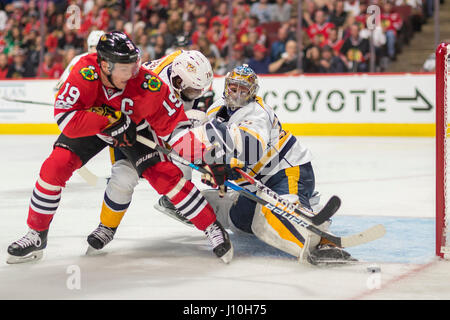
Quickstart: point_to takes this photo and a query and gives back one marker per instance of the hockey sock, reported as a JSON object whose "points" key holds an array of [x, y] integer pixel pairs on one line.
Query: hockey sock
{"points": [[112, 212], [43, 205], [192, 204]]}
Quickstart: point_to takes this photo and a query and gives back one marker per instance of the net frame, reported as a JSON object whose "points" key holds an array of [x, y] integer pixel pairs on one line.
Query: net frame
{"points": [[442, 138]]}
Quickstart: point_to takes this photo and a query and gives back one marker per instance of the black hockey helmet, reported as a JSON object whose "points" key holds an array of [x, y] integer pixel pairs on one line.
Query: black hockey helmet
{"points": [[116, 47]]}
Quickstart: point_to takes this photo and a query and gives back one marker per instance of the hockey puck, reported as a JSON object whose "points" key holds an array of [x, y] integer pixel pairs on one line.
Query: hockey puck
{"points": [[373, 269]]}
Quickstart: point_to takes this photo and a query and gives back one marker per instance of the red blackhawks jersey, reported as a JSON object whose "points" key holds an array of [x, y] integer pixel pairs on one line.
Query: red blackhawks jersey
{"points": [[322, 31], [145, 97]]}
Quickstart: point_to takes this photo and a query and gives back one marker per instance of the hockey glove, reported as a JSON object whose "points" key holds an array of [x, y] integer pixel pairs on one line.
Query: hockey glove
{"points": [[219, 173], [121, 129]]}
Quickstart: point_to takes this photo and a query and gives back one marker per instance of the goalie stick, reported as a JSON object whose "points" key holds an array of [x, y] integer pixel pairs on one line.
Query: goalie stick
{"points": [[368, 235]]}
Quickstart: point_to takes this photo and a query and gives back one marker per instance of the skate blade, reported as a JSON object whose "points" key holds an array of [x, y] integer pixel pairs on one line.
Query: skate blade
{"points": [[227, 257], [91, 251], [33, 256], [169, 213], [334, 262]]}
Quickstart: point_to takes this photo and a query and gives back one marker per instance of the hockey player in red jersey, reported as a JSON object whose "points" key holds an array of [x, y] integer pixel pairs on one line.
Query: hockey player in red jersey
{"points": [[105, 100]]}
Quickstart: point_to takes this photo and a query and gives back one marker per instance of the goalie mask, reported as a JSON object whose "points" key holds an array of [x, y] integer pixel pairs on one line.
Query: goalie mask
{"points": [[191, 75], [241, 87]]}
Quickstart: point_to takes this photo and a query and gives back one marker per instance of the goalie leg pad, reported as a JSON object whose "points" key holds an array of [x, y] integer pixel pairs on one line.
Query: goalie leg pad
{"points": [[282, 233], [222, 206]]}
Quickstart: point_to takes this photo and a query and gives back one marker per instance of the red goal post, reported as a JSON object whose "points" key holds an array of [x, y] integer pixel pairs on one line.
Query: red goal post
{"points": [[442, 150]]}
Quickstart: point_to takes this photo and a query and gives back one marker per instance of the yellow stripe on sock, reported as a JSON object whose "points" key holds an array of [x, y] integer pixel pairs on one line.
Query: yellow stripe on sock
{"points": [[109, 217]]}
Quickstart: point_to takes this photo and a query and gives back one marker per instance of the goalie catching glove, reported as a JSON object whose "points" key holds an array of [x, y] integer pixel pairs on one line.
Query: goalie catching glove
{"points": [[121, 129]]}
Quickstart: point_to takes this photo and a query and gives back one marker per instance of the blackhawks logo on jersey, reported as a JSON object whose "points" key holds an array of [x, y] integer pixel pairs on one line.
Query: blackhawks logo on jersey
{"points": [[153, 83], [88, 73]]}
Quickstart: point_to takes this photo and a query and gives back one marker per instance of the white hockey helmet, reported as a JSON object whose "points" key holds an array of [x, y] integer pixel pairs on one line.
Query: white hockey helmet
{"points": [[195, 72], [93, 39]]}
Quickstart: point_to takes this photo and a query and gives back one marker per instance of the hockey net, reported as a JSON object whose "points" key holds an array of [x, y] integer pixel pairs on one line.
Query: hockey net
{"points": [[442, 152]]}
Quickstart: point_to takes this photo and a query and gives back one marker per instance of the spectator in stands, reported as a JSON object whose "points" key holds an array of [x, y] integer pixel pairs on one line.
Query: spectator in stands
{"points": [[311, 62], [3, 66], [391, 23], [355, 51], [218, 65], [50, 68], [281, 11], [217, 35], [159, 47], [188, 30], [338, 16], [175, 6], [188, 10], [288, 63], [334, 41], [19, 68], [200, 30], [207, 48], [318, 31], [174, 23], [278, 46], [237, 58], [34, 54], [70, 40], [222, 15], [260, 60], [262, 10], [330, 62], [159, 7], [114, 15], [309, 10], [51, 42], [13, 38], [253, 26], [164, 32]]}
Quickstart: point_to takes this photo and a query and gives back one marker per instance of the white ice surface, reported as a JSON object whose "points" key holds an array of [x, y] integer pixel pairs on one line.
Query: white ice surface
{"points": [[155, 257]]}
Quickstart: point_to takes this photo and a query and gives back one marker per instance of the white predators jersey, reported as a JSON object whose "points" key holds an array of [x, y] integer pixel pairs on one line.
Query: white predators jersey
{"points": [[162, 68], [281, 149]]}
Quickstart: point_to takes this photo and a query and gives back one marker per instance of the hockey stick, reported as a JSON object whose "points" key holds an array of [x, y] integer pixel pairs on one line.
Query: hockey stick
{"points": [[368, 235], [27, 101], [91, 178], [326, 213]]}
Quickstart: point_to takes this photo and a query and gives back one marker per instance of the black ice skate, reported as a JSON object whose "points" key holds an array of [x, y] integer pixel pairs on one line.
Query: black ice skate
{"points": [[220, 241], [328, 255], [28, 248], [165, 206], [100, 237]]}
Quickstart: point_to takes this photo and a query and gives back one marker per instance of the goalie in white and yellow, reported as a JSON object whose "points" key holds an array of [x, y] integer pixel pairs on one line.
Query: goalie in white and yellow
{"points": [[240, 125]]}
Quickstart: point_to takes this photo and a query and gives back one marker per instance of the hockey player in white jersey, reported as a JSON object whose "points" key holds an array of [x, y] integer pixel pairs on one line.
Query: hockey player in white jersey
{"points": [[177, 70], [189, 75], [241, 126]]}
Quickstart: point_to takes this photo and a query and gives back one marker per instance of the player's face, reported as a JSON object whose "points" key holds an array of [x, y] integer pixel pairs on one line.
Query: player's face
{"points": [[123, 72], [238, 93], [192, 93]]}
